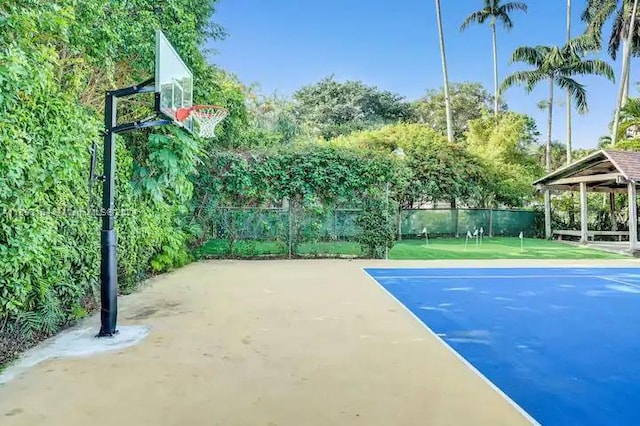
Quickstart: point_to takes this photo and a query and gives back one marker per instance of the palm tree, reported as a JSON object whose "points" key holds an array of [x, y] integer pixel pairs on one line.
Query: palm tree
{"points": [[558, 65], [494, 11], [569, 135], [626, 59], [447, 100], [629, 120], [598, 12]]}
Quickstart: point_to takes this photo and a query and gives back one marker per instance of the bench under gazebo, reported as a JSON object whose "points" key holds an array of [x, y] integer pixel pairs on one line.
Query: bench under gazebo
{"points": [[604, 172]]}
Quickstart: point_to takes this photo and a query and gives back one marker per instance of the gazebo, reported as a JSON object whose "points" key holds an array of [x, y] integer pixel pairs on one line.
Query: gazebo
{"points": [[603, 171]]}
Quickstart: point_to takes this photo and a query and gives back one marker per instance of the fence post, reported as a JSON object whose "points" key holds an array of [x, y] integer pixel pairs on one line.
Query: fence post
{"points": [[290, 230], [454, 219], [491, 222], [334, 234], [387, 222]]}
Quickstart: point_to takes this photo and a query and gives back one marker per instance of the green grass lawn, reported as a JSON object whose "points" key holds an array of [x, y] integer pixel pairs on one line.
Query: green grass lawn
{"points": [[220, 248], [347, 248], [494, 248], [438, 249]]}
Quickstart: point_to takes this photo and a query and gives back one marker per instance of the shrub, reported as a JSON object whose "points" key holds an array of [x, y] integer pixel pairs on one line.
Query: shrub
{"points": [[377, 224]]}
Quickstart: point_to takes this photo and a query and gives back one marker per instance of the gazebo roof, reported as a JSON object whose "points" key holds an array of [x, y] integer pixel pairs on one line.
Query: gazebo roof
{"points": [[602, 171]]}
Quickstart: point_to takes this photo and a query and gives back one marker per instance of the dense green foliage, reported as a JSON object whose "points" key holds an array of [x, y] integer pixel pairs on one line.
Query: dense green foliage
{"points": [[507, 146], [468, 102], [330, 108], [315, 178], [57, 59], [252, 194], [494, 167], [377, 223], [272, 121]]}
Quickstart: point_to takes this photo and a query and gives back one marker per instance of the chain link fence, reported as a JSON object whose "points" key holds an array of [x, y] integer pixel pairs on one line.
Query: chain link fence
{"points": [[294, 232], [303, 232], [452, 223]]}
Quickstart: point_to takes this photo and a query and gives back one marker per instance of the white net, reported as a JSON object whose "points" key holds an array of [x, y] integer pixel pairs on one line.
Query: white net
{"points": [[206, 118]]}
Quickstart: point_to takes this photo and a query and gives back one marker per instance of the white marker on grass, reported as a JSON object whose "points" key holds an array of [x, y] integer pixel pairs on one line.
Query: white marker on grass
{"points": [[521, 236]]}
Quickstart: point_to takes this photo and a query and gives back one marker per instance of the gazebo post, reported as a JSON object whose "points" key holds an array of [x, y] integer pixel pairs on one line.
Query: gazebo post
{"points": [[612, 211], [547, 214], [633, 216], [584, 218]]}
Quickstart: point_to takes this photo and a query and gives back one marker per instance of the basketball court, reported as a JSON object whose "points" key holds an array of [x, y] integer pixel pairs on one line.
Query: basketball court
{"points": [[320, 342], [560, 342], [331, 342]]}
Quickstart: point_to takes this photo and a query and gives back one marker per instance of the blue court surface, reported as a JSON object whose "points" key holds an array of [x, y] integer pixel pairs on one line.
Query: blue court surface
{"points": [[562, 343]]}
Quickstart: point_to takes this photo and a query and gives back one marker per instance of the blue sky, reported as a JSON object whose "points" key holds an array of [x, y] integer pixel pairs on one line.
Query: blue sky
{"points": [[285, 44]]}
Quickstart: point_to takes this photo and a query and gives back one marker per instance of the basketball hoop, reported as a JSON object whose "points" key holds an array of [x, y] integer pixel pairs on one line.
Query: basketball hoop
{"points": [[206, 117]]}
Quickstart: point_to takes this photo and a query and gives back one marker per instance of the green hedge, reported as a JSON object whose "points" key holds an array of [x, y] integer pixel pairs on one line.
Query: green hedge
{"points": [[49, 234], [57, 58]]}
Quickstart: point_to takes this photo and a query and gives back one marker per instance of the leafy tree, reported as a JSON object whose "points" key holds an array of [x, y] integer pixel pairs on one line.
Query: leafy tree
{"points": [[389, 138], [272, 121], [558, 66], [558, 155], [512, 138], [468, 102], [376, 223], [435, 170], [629, 145], [508, 148], [494, 11], [330, 108]]}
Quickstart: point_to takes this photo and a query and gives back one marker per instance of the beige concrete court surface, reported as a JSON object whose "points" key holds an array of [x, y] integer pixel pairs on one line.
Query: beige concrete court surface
{"points": [[265, 343]]}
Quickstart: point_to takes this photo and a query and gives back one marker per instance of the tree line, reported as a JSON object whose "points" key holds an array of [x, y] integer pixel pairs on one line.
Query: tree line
{"points": [[558, 66]]}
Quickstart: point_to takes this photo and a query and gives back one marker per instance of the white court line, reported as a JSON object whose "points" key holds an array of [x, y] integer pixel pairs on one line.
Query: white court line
{"points": [[476, 277], [620, 282], [458, 356], [629, 265]]}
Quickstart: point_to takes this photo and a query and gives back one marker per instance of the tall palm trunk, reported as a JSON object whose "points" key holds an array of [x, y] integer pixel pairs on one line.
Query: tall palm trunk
{"points": [[547, 192], [549, 126], [569, 136], [495, 67], [447, 100], [625, 94], [626, 57]]}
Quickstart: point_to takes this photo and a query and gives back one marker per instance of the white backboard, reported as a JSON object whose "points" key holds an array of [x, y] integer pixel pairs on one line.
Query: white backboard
{"points": [[173, 80]]}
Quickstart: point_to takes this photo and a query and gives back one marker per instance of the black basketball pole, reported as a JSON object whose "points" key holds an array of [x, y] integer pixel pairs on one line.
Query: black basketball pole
{"points": [[108, 262], [108, 240]]}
